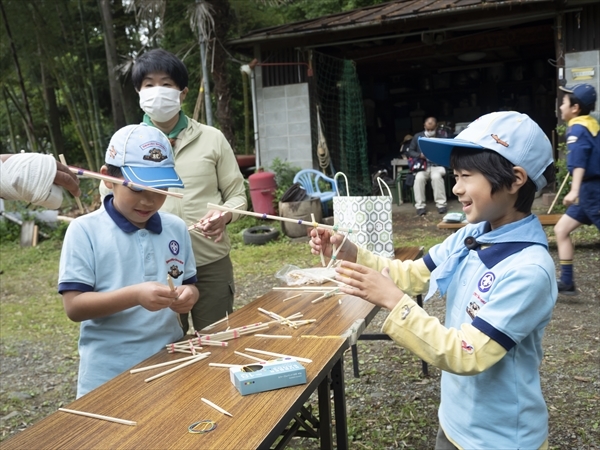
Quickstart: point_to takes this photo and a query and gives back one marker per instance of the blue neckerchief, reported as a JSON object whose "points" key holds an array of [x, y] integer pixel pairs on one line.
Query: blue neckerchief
{"points": [[506, 241], [154, 223]]}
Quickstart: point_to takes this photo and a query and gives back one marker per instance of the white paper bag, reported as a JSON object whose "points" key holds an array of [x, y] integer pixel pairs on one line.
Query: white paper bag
{"points": [[369, 214]]}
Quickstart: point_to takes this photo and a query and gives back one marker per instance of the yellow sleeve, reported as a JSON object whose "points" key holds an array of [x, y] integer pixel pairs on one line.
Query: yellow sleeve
{"points": [[412, 277], [467, 351]]}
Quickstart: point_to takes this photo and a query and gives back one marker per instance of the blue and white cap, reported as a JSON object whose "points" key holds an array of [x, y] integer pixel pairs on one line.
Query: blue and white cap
{"points": [[511, 134], [144, 155]]}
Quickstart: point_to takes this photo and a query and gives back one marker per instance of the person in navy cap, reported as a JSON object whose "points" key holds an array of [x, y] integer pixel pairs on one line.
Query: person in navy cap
{"points": [[583, 163]]}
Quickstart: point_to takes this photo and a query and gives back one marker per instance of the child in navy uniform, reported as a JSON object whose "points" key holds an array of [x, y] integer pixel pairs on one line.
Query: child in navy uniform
{"points": [[583, 162], [115, 261], [499, 283]]}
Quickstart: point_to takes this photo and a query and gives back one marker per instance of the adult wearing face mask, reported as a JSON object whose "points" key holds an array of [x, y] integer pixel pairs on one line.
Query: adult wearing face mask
{"points": [[207, 166], [433, 172]]}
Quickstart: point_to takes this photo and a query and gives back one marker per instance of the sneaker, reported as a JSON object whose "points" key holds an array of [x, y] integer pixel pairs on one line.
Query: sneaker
{"points": [[566, 289], [442, 210], [421, 212]]}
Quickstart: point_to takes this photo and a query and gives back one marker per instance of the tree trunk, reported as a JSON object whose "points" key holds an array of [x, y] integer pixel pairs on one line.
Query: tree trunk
{"points": [[52, 112], [223, 19], [28, 119], [116, 93]]}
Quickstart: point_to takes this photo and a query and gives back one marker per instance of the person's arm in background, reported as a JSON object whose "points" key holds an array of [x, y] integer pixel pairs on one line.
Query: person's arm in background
{"points": [[30, 177], [233, 192]]}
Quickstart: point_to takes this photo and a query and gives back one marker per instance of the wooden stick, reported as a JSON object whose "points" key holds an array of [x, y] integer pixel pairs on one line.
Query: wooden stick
{"points": [[312, 216], [168, 363], [558, 193], [224, 365], [218, 408], [99, 176], [212, 325], [181, 366], [274, 336], [326, 295], [334, 256], [292, 297], [281, 219], [303, 288], [279, 355], [99, 416], [77, 199], [249, 356]]}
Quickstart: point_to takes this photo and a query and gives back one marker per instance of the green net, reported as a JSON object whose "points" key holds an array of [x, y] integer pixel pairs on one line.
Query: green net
{"points": [[338, 120]]}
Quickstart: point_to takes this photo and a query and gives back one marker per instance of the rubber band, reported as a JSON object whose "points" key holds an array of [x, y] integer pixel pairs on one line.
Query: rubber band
{"points": [[264, 216], [299, 222], [335, 228], [202, 426]]}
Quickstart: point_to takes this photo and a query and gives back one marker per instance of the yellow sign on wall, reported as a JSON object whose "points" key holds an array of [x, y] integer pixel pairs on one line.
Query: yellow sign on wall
{"points": [[582, 73]]}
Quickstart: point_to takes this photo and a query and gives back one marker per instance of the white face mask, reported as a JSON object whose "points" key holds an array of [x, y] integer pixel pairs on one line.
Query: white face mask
{"points": [[160, 103], [429, 133]]}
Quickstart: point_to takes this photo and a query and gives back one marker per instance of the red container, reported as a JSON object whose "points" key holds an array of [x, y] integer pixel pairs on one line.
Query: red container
{"points": [[262, 192]]}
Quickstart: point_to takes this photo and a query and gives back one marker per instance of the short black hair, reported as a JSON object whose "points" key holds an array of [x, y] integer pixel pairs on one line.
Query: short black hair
{"points": [[114, 171], [159, 60], [499, 172], [583, 109]]}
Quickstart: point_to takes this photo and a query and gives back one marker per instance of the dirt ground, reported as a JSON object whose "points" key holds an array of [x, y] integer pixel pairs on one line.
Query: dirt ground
{"points": [[391, 405]]}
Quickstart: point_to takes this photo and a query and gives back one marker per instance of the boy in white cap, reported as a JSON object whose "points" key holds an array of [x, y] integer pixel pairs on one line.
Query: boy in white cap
{"points": [[115, 263], [583, 163], [499, 283]]}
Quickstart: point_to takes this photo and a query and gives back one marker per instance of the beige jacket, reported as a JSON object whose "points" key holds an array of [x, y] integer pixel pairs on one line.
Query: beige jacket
{"points": [[206, 163]]}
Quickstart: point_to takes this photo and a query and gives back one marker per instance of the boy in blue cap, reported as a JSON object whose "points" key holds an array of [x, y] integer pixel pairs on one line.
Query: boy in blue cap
{"points": [[583, 163], [115, 263], [499, 283]]}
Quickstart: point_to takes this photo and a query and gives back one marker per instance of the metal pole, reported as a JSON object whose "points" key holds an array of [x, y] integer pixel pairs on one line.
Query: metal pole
{"points": [[208, 105]]}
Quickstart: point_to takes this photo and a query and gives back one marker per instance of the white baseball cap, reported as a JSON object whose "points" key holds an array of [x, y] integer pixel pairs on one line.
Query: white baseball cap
{"points": [[513, 135], [144, 155]]}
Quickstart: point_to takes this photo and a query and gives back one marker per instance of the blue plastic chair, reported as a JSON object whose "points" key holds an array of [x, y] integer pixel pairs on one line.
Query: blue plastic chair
{"points": [[309, 179]]}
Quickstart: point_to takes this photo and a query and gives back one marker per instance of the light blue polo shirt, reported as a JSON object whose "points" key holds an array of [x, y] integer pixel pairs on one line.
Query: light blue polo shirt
{"points": [[102, 252], [507, 291]]}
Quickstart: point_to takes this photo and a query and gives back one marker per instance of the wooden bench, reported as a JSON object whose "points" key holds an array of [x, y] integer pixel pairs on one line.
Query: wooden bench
{"points": [[403, 254], [547, 220]]}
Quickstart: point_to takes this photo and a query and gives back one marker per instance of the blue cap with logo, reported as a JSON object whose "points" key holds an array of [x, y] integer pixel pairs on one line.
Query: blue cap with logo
{"points": [[584, 92], [511, 134], [144, 155]]}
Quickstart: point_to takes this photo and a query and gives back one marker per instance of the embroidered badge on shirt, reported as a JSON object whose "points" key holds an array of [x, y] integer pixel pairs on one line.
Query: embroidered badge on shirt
{"points": [[571, 139], [486, 281], [174, 247], [174, 271], [472, 309], [467, 347]]}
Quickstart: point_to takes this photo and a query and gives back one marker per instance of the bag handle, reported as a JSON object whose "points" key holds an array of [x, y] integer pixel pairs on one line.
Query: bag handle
{"points": [[380, 181], [337, 184]]}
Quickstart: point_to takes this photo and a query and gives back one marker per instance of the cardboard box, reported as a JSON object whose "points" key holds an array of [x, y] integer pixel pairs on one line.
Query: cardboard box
{"points": [[267, 375]]}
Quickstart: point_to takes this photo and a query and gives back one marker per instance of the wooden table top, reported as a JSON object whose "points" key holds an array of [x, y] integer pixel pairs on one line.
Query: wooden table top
{"points": [[165, 407]]}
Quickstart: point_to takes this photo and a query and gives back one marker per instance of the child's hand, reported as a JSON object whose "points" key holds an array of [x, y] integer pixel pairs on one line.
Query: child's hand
{"points": [[321, 239], [188, 296], [570, 198], [155, 296], [368, 284]]}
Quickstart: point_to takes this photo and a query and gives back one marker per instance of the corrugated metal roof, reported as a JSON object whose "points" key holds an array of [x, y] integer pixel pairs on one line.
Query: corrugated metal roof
{"points": [[385, 13]]}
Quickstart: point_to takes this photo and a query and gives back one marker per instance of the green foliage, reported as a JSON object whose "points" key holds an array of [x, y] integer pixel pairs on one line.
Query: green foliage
{"points": [[284, 176]]}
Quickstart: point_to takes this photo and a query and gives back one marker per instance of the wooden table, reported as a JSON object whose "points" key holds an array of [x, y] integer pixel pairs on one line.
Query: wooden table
{"points": [[547, 220], [165, 407]]}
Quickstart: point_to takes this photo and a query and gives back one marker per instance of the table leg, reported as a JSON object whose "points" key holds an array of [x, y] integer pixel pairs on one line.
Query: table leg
{"points": [[339, 403], [325, 431]]}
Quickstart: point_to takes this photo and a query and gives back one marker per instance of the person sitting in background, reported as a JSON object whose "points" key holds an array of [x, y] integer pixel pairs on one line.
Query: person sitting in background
{"points": [[428, 171], [35, 178], [583, 161]]}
